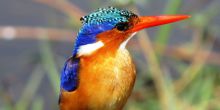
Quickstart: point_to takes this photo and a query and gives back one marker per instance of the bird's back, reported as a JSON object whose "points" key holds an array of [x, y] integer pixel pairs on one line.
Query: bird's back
{"points": [[106, 81]]}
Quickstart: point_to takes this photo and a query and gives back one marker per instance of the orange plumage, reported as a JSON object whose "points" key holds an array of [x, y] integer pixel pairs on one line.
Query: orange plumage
{"points": [[106, 77], [105, 83]]}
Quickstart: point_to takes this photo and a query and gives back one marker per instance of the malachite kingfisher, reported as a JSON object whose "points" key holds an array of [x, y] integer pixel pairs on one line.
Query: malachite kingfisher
{"points": [[100, 73]]}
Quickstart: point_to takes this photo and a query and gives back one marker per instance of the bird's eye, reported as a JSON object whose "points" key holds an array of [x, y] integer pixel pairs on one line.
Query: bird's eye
{"points": [[122, 26]]}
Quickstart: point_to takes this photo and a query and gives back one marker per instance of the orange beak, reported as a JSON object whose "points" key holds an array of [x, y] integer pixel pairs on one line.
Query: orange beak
{"points": [[151, 21]]}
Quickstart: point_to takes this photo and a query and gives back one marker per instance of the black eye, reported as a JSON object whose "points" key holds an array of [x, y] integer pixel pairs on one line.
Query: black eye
{"points": [[122, 26]]}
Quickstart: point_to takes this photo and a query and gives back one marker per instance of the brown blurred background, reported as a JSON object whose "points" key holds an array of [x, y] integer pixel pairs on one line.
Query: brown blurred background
{"points": [[177, 65]]}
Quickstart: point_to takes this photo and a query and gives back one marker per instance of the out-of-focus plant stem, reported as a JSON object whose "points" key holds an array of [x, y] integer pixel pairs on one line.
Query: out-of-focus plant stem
{"points": [[163, 91], [192, 71], [48, 62], [28, 32], [154, 67], [30, 89], [38, 104], [164, 32], [207, 91], [66, 7], [198, 61]]}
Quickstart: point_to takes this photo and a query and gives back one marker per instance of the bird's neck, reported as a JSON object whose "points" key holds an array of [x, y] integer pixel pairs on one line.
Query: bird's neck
{"points": [[105, 43]]}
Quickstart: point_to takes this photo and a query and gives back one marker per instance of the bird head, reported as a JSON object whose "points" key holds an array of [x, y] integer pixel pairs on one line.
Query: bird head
{"points": [[110, 28]]}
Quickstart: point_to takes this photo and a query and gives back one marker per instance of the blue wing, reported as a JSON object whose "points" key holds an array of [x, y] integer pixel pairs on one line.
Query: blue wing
{"points": [[69, 75]]}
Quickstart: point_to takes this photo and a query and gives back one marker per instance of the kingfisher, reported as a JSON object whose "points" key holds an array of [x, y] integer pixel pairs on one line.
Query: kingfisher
{"points": [[100, 73]]}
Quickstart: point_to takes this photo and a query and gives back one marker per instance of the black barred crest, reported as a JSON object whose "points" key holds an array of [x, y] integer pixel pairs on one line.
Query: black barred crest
{"points": [[110, 14]]}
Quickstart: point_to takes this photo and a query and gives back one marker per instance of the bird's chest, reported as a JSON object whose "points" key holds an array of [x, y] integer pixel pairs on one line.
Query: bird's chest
{"points": [[108, 81]]}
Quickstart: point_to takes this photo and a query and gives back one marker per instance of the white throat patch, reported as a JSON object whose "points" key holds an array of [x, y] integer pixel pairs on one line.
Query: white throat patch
{"points": [[123, 44], [88, 49]]}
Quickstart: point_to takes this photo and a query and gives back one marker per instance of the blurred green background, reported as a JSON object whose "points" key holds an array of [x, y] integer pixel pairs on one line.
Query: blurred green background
{"points": [[178, 65]]}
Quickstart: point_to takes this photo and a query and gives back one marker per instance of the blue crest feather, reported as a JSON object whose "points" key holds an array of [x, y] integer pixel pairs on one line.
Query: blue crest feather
{"points": [[101, 20]]}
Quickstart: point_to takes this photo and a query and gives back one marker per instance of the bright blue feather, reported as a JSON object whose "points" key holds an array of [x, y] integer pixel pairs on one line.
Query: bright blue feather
{"points": [[88, 33], [69, 76]]}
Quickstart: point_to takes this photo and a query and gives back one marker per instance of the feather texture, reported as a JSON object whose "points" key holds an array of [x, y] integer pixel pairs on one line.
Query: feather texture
{"points": [[106, 81]]}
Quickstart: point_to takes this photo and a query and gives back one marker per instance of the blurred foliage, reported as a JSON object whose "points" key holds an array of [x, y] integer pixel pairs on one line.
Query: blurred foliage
{"points": [[187, 79]]}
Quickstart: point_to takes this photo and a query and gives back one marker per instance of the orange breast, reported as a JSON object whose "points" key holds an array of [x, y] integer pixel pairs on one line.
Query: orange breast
{"points": [[106, 81]]}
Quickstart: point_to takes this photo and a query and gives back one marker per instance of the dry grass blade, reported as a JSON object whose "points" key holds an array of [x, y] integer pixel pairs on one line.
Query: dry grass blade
{"points": [[22, 32], [64, 6], [48, 62], [198, 61], [186, 55], [154, 67], [54, 34], [30, 89]]}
